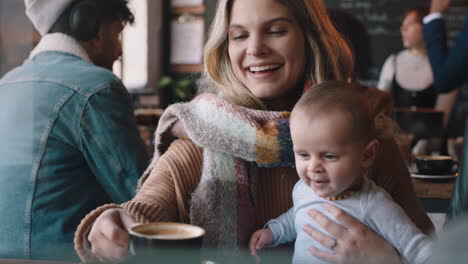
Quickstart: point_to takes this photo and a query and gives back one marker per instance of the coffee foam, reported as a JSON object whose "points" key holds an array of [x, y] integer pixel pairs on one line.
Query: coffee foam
{"points": [[168, 231]]}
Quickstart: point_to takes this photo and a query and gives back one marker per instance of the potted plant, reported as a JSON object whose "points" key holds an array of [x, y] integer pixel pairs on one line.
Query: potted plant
{"points": [[176, 90]]}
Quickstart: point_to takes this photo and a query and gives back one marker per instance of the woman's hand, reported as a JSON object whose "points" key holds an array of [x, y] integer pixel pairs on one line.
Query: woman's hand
{"points": [[109, 237], [355, 243], [439, 6], [260, 239], [178, 130]]}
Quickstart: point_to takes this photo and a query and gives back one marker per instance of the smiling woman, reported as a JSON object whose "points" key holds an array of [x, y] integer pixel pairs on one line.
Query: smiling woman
{"points": [[258, 46], [259, 55], [294, 39]]}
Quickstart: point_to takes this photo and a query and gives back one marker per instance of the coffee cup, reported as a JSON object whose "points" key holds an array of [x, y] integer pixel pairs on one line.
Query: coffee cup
{"points": [[435, 165], [166, 242]]}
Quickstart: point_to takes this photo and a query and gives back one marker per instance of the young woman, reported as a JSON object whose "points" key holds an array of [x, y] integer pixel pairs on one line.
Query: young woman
{"points": [[407, 75], [259, 55]]}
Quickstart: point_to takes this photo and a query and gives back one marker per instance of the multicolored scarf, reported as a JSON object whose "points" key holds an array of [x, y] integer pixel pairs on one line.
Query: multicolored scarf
{"points": [[235, 141]]}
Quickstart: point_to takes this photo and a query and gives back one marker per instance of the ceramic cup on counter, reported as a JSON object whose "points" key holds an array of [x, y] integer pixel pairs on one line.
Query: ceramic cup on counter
{"points": [[436, 165], [165, 242]]}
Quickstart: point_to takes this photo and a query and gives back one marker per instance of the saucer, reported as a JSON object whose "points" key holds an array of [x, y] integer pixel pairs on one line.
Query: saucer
{"points": [[427, 176]]}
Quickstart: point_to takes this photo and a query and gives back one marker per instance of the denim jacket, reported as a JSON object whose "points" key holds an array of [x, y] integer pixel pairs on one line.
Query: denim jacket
{"points": [[68, 144]]}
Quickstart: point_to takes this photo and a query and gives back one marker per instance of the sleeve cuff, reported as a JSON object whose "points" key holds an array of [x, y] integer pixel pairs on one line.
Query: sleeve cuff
{"points": [[277, 231], [433, 16], [82, 245]]}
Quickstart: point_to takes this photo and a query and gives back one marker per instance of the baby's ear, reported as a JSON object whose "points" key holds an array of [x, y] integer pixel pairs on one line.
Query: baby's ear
{"points": [[370, 153]]}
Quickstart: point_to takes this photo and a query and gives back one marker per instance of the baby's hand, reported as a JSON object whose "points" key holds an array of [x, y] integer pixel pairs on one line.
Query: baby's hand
{"points": [[260, 239]]}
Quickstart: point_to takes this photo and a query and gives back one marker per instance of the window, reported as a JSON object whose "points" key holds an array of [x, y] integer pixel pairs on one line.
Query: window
{"points": [[133, 65], [139, 66]]}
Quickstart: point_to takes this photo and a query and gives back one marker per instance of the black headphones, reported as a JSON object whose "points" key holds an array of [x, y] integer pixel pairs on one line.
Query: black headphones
{"points": [[84, 20]]}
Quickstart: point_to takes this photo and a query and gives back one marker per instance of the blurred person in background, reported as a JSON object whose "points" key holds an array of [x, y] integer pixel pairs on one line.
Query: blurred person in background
{"points": [[449, 66], [68, 139], [407, 75]]}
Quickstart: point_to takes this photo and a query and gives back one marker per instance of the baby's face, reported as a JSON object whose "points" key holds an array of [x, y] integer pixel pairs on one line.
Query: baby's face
{"points": [[327, 158]]}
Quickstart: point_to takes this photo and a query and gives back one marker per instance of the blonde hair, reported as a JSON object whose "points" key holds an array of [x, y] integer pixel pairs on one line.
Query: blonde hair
{"points": [[332, 57]]}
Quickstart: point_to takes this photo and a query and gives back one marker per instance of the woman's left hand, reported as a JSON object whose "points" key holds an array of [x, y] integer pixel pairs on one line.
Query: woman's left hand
{"points": [[354, 243], [178, 130]]}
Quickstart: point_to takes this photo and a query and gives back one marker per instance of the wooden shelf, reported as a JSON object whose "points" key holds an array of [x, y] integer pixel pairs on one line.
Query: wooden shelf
{"points": [[190, 68], [193, 10]]}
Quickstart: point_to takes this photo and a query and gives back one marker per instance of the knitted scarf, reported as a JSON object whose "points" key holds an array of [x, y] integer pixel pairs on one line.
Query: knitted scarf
{"points": [[235, 141]]}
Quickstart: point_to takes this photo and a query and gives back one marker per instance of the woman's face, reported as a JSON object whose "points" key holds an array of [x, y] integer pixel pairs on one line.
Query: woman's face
{"points": [[411, 32], [266, 47]]}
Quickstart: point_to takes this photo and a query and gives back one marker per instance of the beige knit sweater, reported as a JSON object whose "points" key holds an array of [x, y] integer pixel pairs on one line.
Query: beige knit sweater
{"points": [[165, 194]]}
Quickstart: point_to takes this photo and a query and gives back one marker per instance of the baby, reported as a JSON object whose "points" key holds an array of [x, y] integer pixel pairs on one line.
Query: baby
{"points": [[334, 146]]}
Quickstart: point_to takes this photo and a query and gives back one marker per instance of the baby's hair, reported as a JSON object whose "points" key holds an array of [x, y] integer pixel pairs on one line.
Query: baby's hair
{"points": [[348, 99]]}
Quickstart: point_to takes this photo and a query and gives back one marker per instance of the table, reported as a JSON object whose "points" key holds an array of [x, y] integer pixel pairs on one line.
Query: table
{"points": [[30, 261], [434, 194]]}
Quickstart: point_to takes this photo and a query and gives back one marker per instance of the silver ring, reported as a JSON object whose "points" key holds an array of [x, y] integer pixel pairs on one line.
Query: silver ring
{"points": [[332, 244]]}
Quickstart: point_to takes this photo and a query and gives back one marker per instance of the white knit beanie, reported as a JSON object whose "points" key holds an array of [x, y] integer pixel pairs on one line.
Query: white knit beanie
{"points": [[44, 13]]}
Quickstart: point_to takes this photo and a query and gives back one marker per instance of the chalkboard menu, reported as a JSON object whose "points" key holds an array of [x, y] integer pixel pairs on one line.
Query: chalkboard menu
{"points": [[454, 17], [383, 19]]}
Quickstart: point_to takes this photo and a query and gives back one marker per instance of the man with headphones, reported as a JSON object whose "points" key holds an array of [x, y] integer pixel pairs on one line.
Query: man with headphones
{"points": [[68, 138]]}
